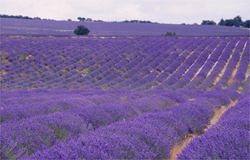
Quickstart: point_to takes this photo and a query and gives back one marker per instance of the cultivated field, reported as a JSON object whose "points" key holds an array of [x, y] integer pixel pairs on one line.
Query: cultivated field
{"points": [[125, 97]]}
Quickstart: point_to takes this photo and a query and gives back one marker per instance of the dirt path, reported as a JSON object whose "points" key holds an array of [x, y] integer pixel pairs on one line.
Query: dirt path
{"points": [[177, 148]]}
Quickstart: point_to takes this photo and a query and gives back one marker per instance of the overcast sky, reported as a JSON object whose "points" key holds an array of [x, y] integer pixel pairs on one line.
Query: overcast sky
{"points": [[165, 11]]}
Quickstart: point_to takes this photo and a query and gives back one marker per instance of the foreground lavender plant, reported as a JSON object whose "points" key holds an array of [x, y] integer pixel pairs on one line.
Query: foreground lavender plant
{"points": [[149, 136], [228, 139], [43, 127]]}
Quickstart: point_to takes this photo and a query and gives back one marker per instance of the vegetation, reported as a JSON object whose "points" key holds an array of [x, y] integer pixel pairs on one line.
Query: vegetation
{"points": [[22, 17], [231, 22], [170, 34], [236, 21], [83, 98], [246, 24], [83, 19], [208, 22], [81, 30], [137, 21], [17, 16]]}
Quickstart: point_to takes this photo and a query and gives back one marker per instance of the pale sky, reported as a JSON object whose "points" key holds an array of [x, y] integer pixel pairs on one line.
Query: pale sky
{"points": [[164, 11]]}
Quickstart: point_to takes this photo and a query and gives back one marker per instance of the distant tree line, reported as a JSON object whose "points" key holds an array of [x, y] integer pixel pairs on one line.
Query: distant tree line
{"points": [[137, 21], [236, 21], [208, 22], [83, 19], [18, 16]]}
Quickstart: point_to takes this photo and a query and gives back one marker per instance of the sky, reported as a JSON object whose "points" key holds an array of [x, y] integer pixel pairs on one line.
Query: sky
{"points": [[163, 11]]}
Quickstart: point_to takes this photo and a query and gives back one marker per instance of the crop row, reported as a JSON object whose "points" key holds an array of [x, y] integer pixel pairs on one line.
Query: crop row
{"points": [[148, 136], [135, 63], [229, 138], [41, 119]]}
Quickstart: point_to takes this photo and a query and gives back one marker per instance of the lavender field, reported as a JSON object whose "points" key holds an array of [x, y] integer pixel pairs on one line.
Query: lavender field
{"points": [[10, 26], [123, 94]]}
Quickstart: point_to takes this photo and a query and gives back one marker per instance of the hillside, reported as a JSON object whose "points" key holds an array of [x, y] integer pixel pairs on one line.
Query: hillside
{"points": [[10, 26], [131, 63], [126, 93]]}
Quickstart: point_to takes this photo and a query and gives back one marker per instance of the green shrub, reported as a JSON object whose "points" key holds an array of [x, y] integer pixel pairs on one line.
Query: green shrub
{"points": [[169, 34], [81, 30]]}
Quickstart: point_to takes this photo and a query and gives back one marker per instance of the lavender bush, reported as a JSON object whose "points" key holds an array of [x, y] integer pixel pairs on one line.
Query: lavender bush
{"points": [[227, 139]]}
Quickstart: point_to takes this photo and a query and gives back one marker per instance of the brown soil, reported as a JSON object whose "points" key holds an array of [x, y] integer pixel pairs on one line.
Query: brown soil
{"points": [[180, 146]]}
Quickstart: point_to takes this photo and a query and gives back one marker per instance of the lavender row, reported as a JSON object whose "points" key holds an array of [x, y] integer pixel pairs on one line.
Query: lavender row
{"points": [[207, 66], [161, 75], [37, 133], [119, 63], [228, 139], [184, 80], [55, 69], [22, 105], [218, 67], [189, 60], [236, 55], [40, 131], [149, 136], [242, 73]]}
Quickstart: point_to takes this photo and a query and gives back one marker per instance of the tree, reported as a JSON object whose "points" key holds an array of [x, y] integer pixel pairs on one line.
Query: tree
{"points": [[229, 22], [37, 18], [81, 30], [246, 24], [81, 18], [208, 22], [222, 22], [89, 19], [237, 21]]}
